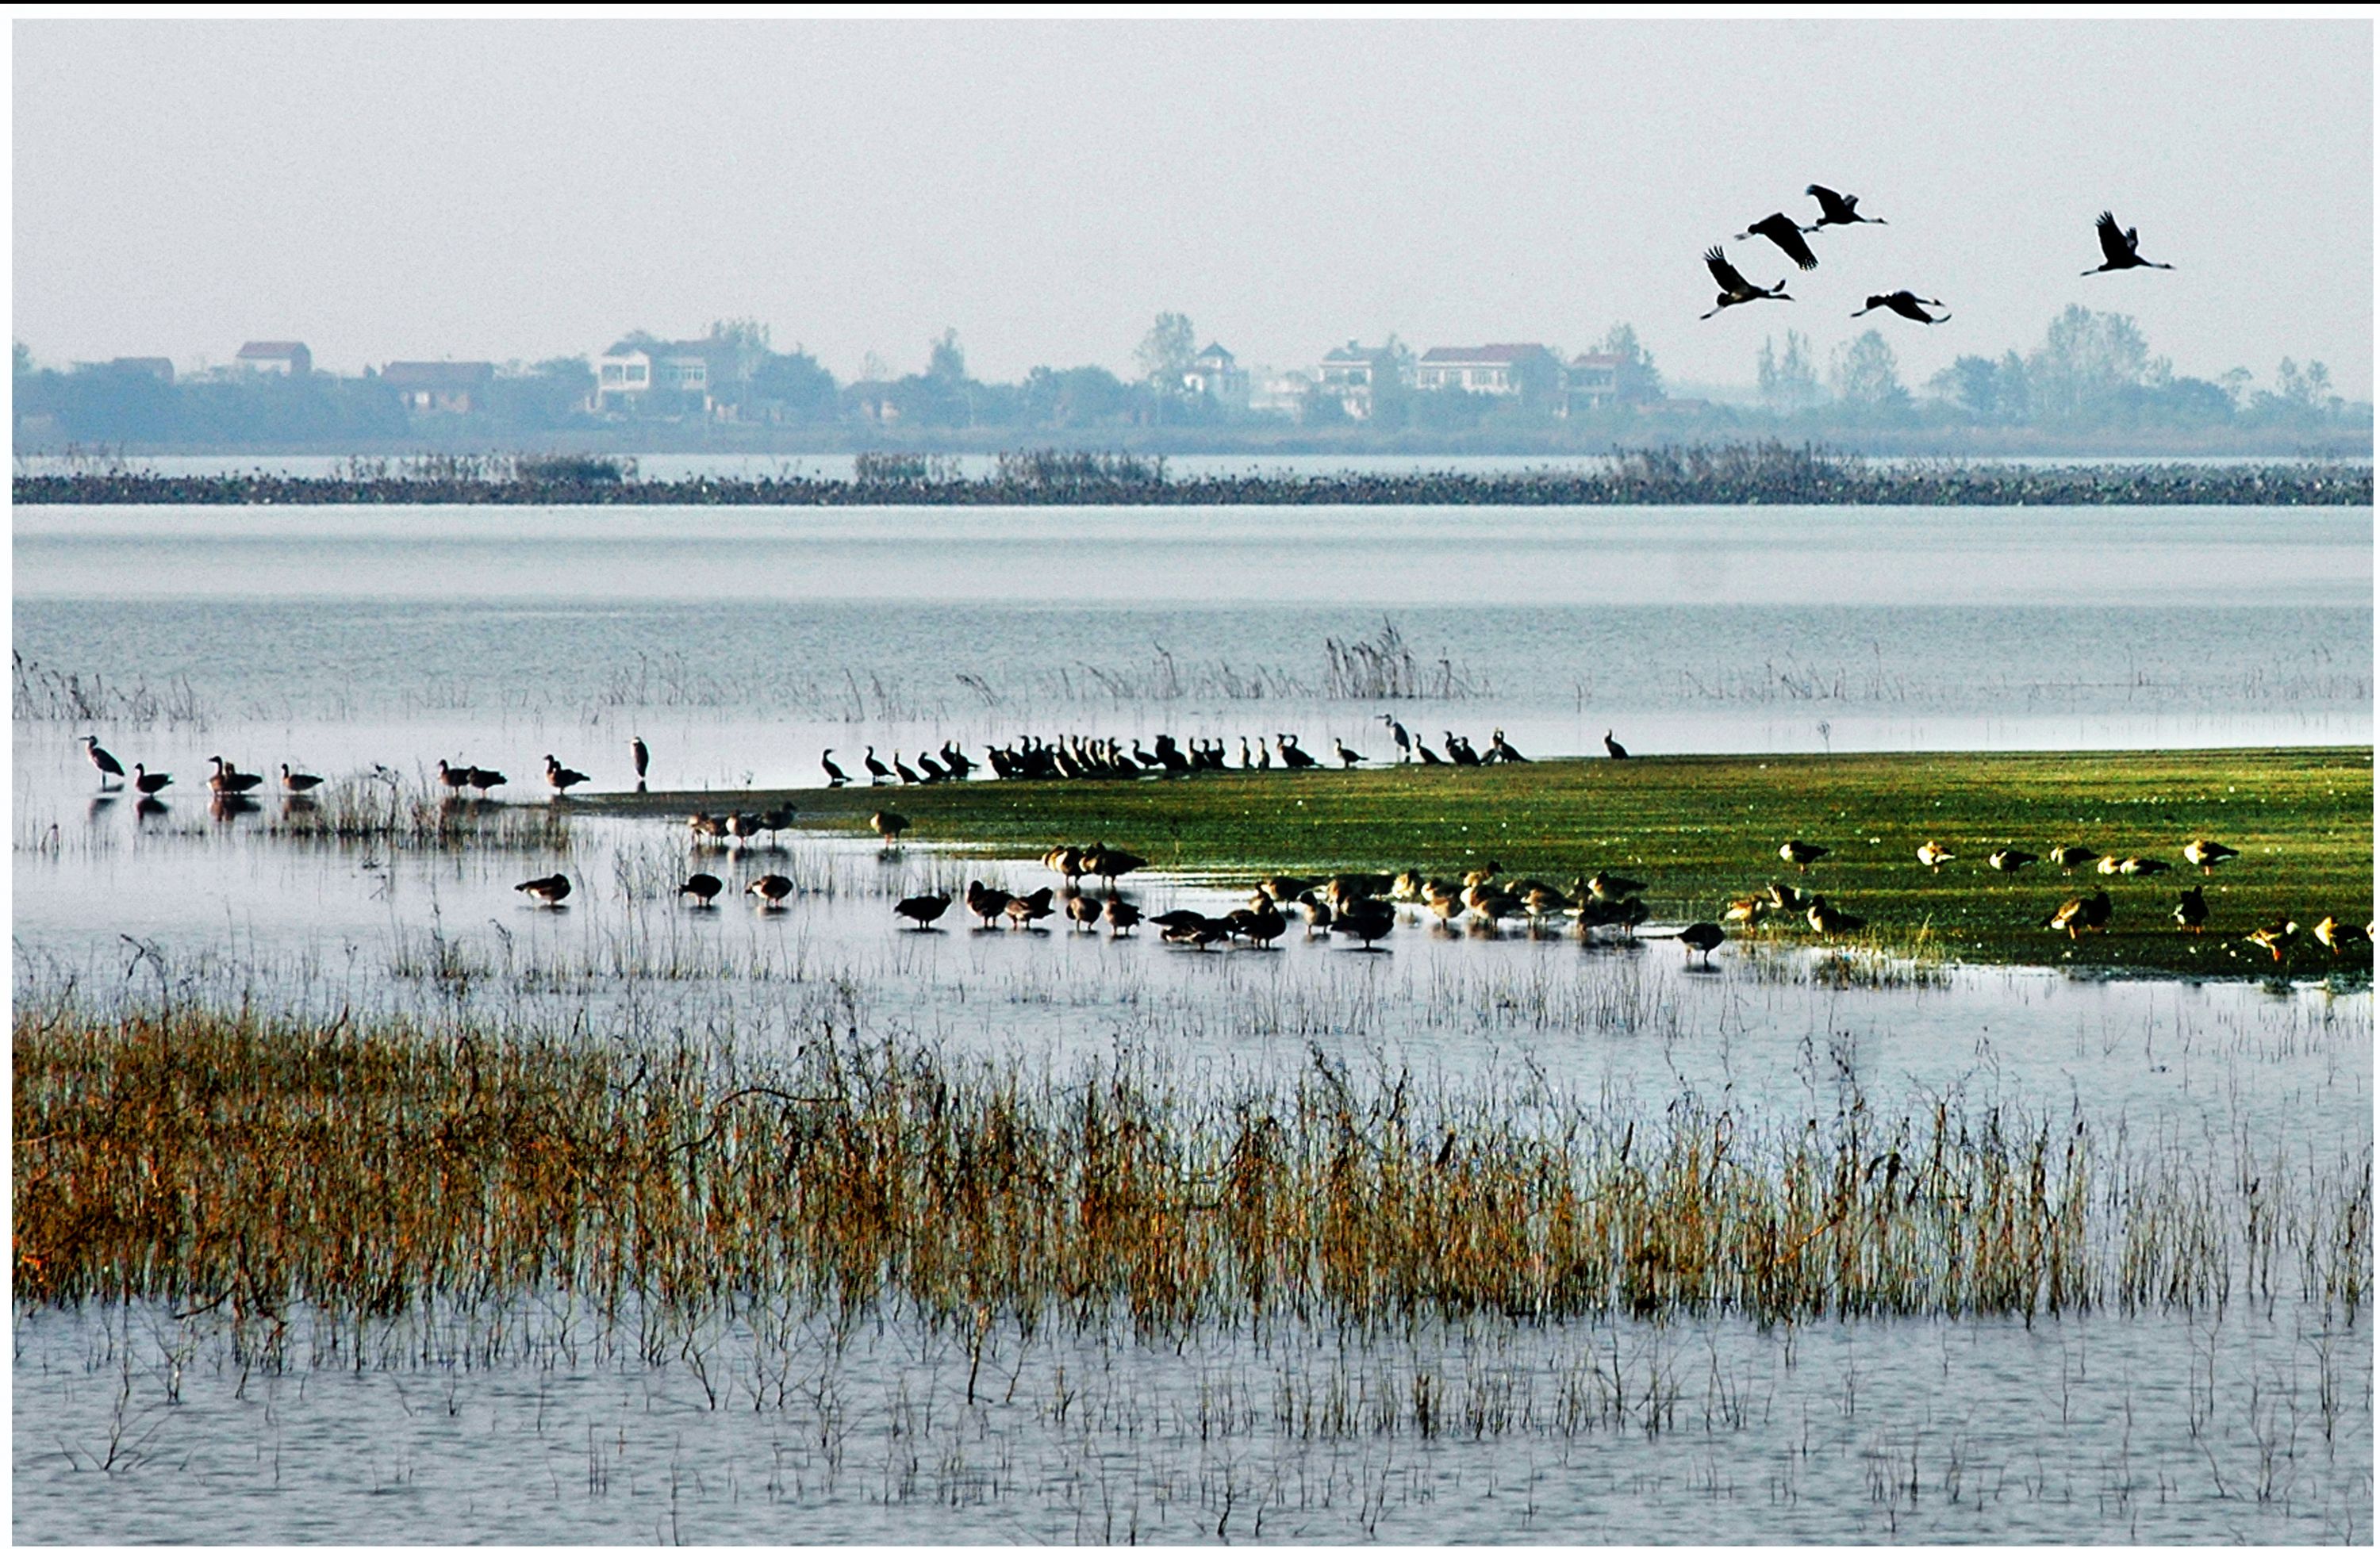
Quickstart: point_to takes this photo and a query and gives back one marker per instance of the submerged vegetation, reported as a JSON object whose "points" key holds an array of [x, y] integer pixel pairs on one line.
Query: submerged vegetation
{"points": [[238, 1160], [1703, 830], [1761, 473]]}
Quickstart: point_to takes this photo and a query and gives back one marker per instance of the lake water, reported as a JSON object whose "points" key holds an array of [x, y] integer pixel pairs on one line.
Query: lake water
{"points": [[740, 644]]}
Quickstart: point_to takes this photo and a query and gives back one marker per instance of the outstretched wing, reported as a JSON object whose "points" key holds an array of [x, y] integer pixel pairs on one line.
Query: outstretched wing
{"points": [[1724, 273], [2111, 239], [1834, 206], [1788, 235]]}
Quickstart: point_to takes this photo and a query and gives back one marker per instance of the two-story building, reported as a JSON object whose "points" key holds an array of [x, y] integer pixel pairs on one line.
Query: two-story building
{"points": [[629, 375], [1591, 381], [1494, 370], [441, 386], [1216, 374], [280, 357], [1355, 378]]}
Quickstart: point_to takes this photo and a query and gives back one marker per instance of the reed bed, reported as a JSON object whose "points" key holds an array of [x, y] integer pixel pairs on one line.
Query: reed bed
{"points": [[37, 692], [384, 811], [233, 1159], [1745, 473]]}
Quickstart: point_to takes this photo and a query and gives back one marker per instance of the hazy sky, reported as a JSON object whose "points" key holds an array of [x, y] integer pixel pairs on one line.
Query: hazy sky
{"points": [[395, 189]]}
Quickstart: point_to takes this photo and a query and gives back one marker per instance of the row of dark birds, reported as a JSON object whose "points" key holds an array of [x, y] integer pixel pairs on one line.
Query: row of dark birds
{"points": [[227, 778], [2120, 246], [1031, 757]]}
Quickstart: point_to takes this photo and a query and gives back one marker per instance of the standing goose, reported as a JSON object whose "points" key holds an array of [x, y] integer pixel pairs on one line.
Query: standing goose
{"points": [[1367, 920], [296, 784], [2335, 933], [2010, 860], [926, 908], [2078, 914], [484, 780], [1827, 920], [1779, 228], [835, 774], [148, 784], [1839, 210], [561, 779], [771, 890], [1027, 908], [2191, 912], [2123, 248], [2274, 937], [2206, 854], [1801, 852], [1705, 938], [1908, 304], [1120, 915], [889, 824], [228, 782], [1932, 856], [2066, 857], [1084, 910], [103, 761], [452, 777], [987, 904], [1734, 290], [703, 888], [1348, 756]]}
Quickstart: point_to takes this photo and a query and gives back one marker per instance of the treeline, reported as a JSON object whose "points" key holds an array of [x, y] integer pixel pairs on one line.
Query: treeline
{"points": [[1762, 474]]}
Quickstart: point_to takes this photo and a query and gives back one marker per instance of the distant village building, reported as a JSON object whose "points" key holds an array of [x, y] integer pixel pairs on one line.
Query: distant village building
{"points": [[1495, 370], [1279, 392], [694, 376], [276, 357], [1354, 376], [441, 386], [1214, 372], [156, 366], [1591, 381]]}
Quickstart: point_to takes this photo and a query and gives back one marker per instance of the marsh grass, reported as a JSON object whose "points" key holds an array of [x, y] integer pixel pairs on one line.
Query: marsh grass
{"points": [[47, 694], [1702, 828], [372, 811], [234, 1159]]}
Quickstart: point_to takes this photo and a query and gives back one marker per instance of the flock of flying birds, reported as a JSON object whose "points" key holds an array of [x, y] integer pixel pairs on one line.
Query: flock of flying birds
{"points": [[2120, 245]]}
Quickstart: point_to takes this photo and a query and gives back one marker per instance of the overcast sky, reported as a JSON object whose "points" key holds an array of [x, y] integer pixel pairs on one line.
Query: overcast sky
{"points": [[398, 189]]}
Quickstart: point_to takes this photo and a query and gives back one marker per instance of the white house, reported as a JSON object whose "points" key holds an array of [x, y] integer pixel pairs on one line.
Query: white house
{"points": [[1354, 376], [626, 374], [1216, 374]]}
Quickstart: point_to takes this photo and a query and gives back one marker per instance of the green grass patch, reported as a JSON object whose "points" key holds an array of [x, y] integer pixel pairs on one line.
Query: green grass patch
{"points": [[1701, 829]]}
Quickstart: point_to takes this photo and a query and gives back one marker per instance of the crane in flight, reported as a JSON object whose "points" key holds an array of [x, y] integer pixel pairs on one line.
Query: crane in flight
{"points": [[2122, 246], [1906, 304], [1734, 288], [1779, 228], [1839, 210]]}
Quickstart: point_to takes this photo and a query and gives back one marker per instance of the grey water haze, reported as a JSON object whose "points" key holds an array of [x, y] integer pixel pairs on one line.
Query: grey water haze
{"points": [[534, 189]]}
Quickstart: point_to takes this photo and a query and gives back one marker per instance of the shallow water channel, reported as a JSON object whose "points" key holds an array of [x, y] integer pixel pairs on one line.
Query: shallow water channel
{"points": [[740, 644]]}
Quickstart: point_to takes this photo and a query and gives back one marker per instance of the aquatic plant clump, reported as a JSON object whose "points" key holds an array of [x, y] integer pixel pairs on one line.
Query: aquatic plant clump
{"points": [[234, 1160]]}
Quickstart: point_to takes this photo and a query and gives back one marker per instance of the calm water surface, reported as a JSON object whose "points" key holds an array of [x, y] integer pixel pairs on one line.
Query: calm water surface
{"points": [[740, 644]]}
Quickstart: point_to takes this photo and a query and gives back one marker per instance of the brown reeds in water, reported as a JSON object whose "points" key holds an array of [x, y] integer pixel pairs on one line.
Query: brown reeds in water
{"points": [[373, 811], [228, 1159]]}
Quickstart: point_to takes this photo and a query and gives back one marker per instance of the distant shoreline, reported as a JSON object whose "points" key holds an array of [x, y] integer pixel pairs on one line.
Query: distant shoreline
{"points": [[1751, 478]]}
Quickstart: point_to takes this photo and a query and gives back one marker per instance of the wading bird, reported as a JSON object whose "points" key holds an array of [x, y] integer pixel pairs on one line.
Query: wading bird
{"points": [[1120, 917], [296, 784], [1839, 210], [227, 780], [1906, 304], [891, 825], [1367, 920], [703, 888], [1779, 228], [148, 784], [1703, 937], [548, 890], [770, 891], [103, 761], [452, 777], [1396, 729], [926, 908], [2122, 246], [1734, 290]]}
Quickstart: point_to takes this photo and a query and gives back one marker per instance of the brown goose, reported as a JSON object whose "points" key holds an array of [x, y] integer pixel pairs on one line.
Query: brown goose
{"points": [[548, 890], [889, 824], [297, 784], [148, 784], [561, 779], [771, 890], [703, 888], [926, 908]]}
